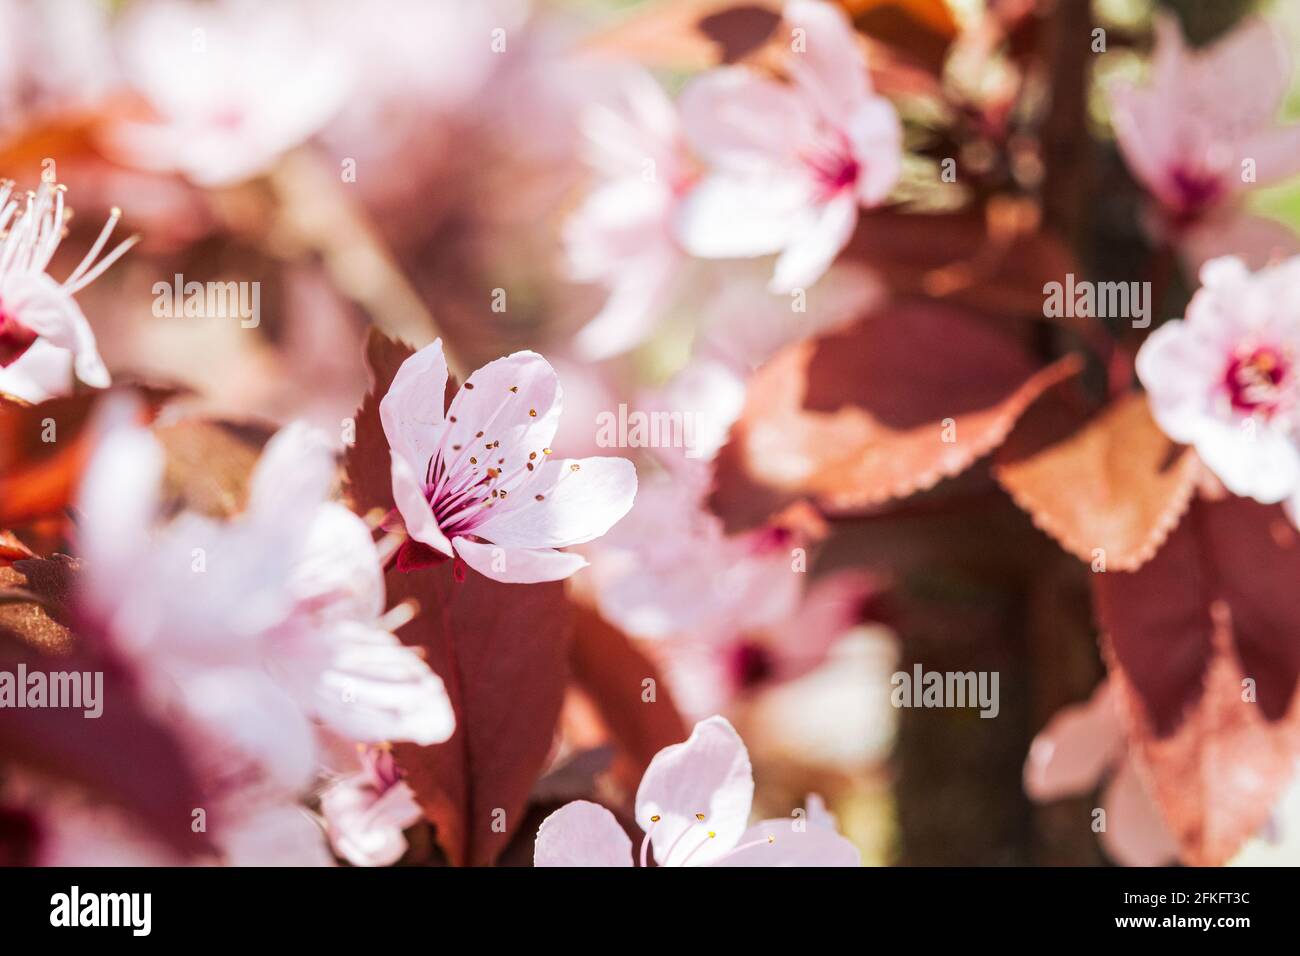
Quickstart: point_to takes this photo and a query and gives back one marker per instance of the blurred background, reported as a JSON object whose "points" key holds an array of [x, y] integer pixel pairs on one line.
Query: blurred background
{"points": [[415, 166]]}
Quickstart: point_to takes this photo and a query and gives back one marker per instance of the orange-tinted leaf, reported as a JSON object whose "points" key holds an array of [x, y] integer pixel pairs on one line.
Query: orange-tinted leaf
{"points": [[12, 549], [610, 670], [500, 650], [690, 34], [879, 410], [921, 29], [1217, 605], [43, 449], [1116, 483]]}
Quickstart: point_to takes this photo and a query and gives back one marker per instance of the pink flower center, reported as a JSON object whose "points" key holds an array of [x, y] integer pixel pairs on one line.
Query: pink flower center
{"points": [[1259, 382], [1196, 192], [833, 168], [749, 664], [15, 338], [471, 473]]}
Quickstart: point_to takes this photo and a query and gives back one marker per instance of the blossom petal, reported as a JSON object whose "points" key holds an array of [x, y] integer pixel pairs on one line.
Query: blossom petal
{"points": [[701, 791], [739, 217], [364, 828], [1076, 748], [414, 508], [412, 409], [831, 68], [45, 307], [790, 842], [518, 565], [1135, 834], [582, 833], [569, 502], [365, 684], [812, 250], [876, 136], [515, 400], [742, 121]]}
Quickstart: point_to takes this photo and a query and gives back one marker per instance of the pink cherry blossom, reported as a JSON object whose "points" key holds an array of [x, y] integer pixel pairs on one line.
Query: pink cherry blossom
{"points": [[622, 235], [293, 586], [366, 812], [693, 804], [791, 163], [478, 481], [1224, 379], [234, 86], [1081, 746], [1203, 121], [45, 339]]}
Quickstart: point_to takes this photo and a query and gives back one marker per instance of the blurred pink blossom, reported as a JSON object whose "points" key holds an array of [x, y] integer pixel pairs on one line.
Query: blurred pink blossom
{"points": [[693, 804], [791, 163], [622, 235], [234, 85], [1224, 379], [1081, 746], [366, 812], [1202, 131], [491, 450]]}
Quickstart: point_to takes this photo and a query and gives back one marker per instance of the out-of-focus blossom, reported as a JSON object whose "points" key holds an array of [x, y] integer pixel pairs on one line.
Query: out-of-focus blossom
{"points": [[791, 162], [55, 58], [479, 481], [707, 671], [45, 339], [234, 84], [366, 812], [669, 568], [246, 631], [1203, 130], [623, 235], [1224, 379], [294, 585], [1081, 746], [693, 804], [745, 324]]}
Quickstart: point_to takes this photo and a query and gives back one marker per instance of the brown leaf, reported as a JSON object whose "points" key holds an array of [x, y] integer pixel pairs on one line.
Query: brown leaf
{"points": [[209, 464], [690, 34], [921, 29], [1117, 483], [878, 410], [366, 462], [609, 669], [500, 649], [1217, 604], [995, 260], [24, 617]]}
